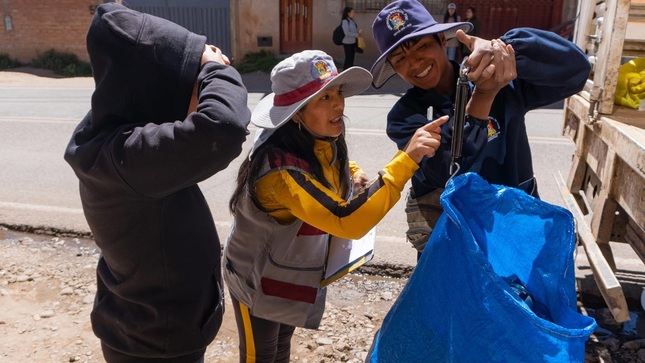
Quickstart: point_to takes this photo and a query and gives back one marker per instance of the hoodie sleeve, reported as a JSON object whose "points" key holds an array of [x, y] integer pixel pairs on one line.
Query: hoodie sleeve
{"points": [[158, 159], [549, 67]]}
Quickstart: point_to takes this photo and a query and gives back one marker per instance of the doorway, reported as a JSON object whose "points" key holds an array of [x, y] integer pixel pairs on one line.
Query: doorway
{"points": [[295, 25]]}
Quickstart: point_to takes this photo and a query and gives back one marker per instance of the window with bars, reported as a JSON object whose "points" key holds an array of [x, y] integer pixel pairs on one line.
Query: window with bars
{"points": [[433, 6]]}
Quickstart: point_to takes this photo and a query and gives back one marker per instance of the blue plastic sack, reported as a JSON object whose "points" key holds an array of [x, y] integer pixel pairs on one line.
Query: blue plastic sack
{"points": [[458, 305]]}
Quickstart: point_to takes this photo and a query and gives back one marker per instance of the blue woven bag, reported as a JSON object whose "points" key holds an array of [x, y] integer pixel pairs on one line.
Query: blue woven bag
{"points": [[462, 304]]}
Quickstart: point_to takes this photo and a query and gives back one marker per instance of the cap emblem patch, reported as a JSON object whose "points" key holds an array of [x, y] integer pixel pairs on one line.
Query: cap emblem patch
{"points": [[396, 20]]}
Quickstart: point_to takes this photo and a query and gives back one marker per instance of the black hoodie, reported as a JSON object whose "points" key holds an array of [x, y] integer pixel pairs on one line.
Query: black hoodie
{"points": [[139, 157]]}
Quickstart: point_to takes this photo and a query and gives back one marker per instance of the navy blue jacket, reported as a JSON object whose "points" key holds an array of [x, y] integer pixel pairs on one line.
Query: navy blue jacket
{"points": [[549, 69]]}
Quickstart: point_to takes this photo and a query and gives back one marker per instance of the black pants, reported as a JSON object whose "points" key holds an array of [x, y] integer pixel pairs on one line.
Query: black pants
{"points": [[112, 356], [350, 52], [261, 341]]}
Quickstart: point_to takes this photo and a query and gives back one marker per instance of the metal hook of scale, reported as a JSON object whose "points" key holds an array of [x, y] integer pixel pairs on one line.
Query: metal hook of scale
{"points": [[461, 98]]}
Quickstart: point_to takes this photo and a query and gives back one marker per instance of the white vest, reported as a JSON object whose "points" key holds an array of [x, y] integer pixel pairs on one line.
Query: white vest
{"points": [[276, 269]]}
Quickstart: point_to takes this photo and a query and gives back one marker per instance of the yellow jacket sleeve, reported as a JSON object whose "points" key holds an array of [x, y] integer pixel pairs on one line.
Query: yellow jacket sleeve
{"points": [[354, 169], [292, 194]]}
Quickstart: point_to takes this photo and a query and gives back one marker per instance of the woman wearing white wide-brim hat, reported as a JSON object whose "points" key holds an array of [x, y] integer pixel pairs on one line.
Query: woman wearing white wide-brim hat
{"points": [[296, 192]]}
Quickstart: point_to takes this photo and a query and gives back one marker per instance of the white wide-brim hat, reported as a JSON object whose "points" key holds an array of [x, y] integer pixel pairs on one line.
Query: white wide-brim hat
{"points": [[294, 82], [298, 79]]}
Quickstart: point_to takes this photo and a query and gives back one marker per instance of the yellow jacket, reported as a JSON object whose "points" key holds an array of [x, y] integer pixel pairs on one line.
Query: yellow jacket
{"points": [[296, 195]]}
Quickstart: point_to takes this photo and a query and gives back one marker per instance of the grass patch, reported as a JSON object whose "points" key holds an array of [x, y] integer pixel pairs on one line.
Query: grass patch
{"points": [[263, 61], [65, 64], [69, 65], [6, 62]]}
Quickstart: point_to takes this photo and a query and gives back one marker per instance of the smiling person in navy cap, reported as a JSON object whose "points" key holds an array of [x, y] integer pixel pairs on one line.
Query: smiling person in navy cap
{"points": [[523, 70]]}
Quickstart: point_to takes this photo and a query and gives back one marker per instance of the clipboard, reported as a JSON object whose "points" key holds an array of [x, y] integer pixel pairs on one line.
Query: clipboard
{"points": [[346, 255]]}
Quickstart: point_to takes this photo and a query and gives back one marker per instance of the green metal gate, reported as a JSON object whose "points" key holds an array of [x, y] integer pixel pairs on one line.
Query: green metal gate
{"points": [[211, 18]]}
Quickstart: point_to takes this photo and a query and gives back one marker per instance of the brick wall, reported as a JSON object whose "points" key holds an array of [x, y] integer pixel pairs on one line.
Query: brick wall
{"points": [[41, 25]]}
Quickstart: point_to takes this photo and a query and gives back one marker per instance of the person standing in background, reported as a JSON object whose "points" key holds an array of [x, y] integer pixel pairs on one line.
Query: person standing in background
{"points": [[452, 44], [351, 30], [471, 17]]}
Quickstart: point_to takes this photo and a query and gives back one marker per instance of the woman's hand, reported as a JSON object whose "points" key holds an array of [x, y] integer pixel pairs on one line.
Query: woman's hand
{"points": [[360, 180], [426, 140]]}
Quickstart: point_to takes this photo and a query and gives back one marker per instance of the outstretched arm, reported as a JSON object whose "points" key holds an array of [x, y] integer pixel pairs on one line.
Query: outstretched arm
{"points": [[549, 67]]}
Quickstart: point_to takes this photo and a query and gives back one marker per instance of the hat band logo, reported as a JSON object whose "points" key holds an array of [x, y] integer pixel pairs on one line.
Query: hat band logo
{"points": [[320, 69], [396, 21]]}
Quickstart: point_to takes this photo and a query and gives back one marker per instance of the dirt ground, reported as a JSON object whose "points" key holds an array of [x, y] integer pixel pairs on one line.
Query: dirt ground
{"points": [[47, 287]]}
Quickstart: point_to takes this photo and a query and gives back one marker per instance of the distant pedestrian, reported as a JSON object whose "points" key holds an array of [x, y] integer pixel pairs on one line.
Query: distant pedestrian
{"points": [[452, 44], [475, 31], [350, 27], [167, 112]]}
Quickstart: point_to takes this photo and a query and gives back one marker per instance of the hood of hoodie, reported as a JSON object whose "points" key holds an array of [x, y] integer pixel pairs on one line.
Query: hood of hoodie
{"points": [[144, 68]]}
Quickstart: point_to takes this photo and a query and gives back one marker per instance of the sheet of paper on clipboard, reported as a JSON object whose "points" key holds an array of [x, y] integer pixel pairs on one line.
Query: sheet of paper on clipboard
{"points": [[346, 255]]}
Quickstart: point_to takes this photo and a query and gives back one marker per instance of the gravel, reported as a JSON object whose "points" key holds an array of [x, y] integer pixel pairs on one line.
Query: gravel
{"points": [[47, 287]]}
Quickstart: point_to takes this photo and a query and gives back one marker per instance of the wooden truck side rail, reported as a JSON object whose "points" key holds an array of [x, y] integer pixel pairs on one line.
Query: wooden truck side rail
{"points": [[605, 189]]}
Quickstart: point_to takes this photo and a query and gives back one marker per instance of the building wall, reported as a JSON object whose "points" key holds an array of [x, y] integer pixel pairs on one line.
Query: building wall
{"points": [[260, 19], [32, 27], [255, 18], [40, 25]]}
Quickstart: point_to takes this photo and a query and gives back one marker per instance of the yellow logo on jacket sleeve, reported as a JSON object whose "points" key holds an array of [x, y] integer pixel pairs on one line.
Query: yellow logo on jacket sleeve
{"points": [[494, 130]]}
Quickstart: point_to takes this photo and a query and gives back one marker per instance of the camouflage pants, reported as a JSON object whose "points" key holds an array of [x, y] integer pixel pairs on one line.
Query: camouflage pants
{"points": [[422, 215]]}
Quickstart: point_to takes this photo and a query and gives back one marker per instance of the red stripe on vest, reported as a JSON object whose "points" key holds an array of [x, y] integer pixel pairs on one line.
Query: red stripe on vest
{"points": [[309, 230], [301, 93], [289, 291], [279, 158]]}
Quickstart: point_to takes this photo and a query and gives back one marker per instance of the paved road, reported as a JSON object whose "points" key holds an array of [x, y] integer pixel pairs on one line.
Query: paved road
{"points": [[38, 114]]}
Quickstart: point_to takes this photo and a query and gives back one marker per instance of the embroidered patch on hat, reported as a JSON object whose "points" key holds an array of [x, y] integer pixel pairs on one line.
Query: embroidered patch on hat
{"points": [[396, 20], [321, 69]]}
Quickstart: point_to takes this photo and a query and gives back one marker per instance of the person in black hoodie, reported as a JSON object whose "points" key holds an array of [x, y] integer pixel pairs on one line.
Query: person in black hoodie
{"points": [[168, 112]]}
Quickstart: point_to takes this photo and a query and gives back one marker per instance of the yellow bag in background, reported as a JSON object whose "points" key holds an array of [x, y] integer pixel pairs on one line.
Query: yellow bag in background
{"points": [[360, 44], [630, 89]]}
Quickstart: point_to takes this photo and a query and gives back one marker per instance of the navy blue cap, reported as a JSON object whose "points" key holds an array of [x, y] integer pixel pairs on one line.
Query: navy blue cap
{"points": [[398, 22]]}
